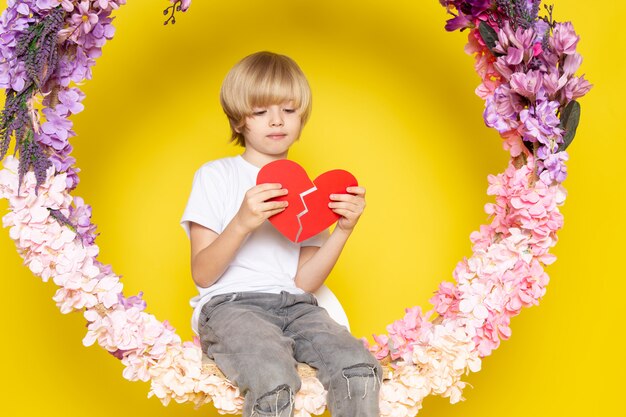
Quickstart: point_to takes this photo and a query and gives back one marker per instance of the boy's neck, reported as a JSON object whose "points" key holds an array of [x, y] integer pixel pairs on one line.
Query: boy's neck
{"points": [[259, 159]]}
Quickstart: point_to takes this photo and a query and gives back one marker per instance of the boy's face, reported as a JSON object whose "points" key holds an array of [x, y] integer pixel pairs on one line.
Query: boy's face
{"points": [[271, 130]]}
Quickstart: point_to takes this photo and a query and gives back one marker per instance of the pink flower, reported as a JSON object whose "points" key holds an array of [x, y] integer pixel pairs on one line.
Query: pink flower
{"points": [[575, 88], [516, 46], [564, 39], [553, 83], [487, 88], [527, 84], [513, 143], [446, 300], [311, 399], [381, 348], [572, 63], [471, 300], [184, 5], [488, 336]]}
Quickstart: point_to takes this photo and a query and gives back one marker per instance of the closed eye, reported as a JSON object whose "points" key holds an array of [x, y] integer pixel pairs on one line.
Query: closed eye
{"points": [[289, 110], [259, 112]]}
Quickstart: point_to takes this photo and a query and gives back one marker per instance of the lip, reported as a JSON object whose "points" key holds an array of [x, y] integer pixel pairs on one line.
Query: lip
{"points": [[277, 136]]}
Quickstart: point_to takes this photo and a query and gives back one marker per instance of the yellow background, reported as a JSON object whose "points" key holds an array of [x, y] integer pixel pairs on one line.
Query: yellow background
{"points": [[394, 104]]}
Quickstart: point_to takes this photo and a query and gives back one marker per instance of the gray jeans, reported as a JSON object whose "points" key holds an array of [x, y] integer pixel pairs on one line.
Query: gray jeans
{"points": [[256, 339]]}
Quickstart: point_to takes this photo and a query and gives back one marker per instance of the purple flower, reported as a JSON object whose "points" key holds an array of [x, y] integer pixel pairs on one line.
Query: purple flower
{"points": [[56, 128], [106, 4], [553, 168], [85, 18], [64, 163], [134, 301], [47, 4], [72, 178], [468, 12], [541, 28], [5, 75], [70, 101], [101, 32], [14, 21], [540, 123], [458, 22], [80, 216], [51, 141], [76, 68], [67, 5], [22, 8], [119, 354], [105, 269], [502, 109]]}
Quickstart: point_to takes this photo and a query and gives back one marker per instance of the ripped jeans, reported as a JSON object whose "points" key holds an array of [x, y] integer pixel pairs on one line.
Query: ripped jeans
{"points": [[256, 339]]}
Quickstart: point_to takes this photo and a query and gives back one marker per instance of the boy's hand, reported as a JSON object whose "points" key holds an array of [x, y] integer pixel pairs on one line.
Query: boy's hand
{"points": [[349, 207], [255, 208]]}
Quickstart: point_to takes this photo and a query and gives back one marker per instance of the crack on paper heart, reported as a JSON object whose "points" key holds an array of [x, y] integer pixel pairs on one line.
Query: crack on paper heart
{"points": [[303, 212]]}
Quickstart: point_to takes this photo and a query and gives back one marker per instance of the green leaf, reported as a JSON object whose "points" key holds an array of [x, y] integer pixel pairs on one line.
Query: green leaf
{"points": [[489, 35], [569, 122]]}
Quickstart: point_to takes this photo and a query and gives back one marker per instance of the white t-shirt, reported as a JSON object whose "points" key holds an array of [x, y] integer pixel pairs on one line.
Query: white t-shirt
{"points": [[266, 261]]}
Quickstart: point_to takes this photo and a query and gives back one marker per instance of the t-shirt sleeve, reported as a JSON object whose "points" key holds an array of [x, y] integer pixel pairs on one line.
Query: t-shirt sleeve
{"points": [[318, 239], [205, 203]]}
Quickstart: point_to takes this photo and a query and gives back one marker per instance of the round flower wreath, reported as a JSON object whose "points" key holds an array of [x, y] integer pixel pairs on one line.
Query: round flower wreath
{"points": [[527, 65]]}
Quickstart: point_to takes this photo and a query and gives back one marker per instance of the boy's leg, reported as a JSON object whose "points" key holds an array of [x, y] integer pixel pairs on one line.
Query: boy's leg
{"points": [[345, 367], [243, 334]]}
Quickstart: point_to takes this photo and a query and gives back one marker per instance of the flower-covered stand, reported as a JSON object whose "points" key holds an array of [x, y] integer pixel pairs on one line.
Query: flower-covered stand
{"points": [[527, 65]]}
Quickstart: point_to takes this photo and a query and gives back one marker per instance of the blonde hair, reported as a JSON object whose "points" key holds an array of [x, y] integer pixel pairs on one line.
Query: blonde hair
{"points": [[262, 79]]}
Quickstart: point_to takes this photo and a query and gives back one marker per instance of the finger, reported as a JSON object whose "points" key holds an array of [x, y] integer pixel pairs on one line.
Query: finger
{"points": [[345, 213], [264, 187], [271, 213], [346, 197], [358, 190], [346, 206], [269, 194], [358, 202], [273, 205]]}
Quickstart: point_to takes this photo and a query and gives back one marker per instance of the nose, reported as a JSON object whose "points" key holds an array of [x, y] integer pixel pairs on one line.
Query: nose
{"points": [[276, 118]]}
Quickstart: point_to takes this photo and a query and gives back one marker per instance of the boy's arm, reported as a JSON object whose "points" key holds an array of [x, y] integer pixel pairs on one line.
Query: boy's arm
{"points": [[211, 253], [316, 263]]}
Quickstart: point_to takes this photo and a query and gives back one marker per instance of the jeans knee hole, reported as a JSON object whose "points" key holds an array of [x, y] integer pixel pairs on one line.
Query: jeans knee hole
{"points": [[274, 402], [360, 375]]}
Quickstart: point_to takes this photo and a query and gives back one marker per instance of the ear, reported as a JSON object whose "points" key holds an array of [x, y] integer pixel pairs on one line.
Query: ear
{"points": [[233, 125]]}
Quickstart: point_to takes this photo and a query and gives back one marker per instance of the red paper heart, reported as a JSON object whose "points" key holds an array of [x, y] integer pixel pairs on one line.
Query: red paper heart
{"points": [[307, 213]]}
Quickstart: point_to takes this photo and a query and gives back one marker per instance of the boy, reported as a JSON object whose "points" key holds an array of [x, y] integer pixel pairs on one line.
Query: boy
{"points": [[255, 314]]}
